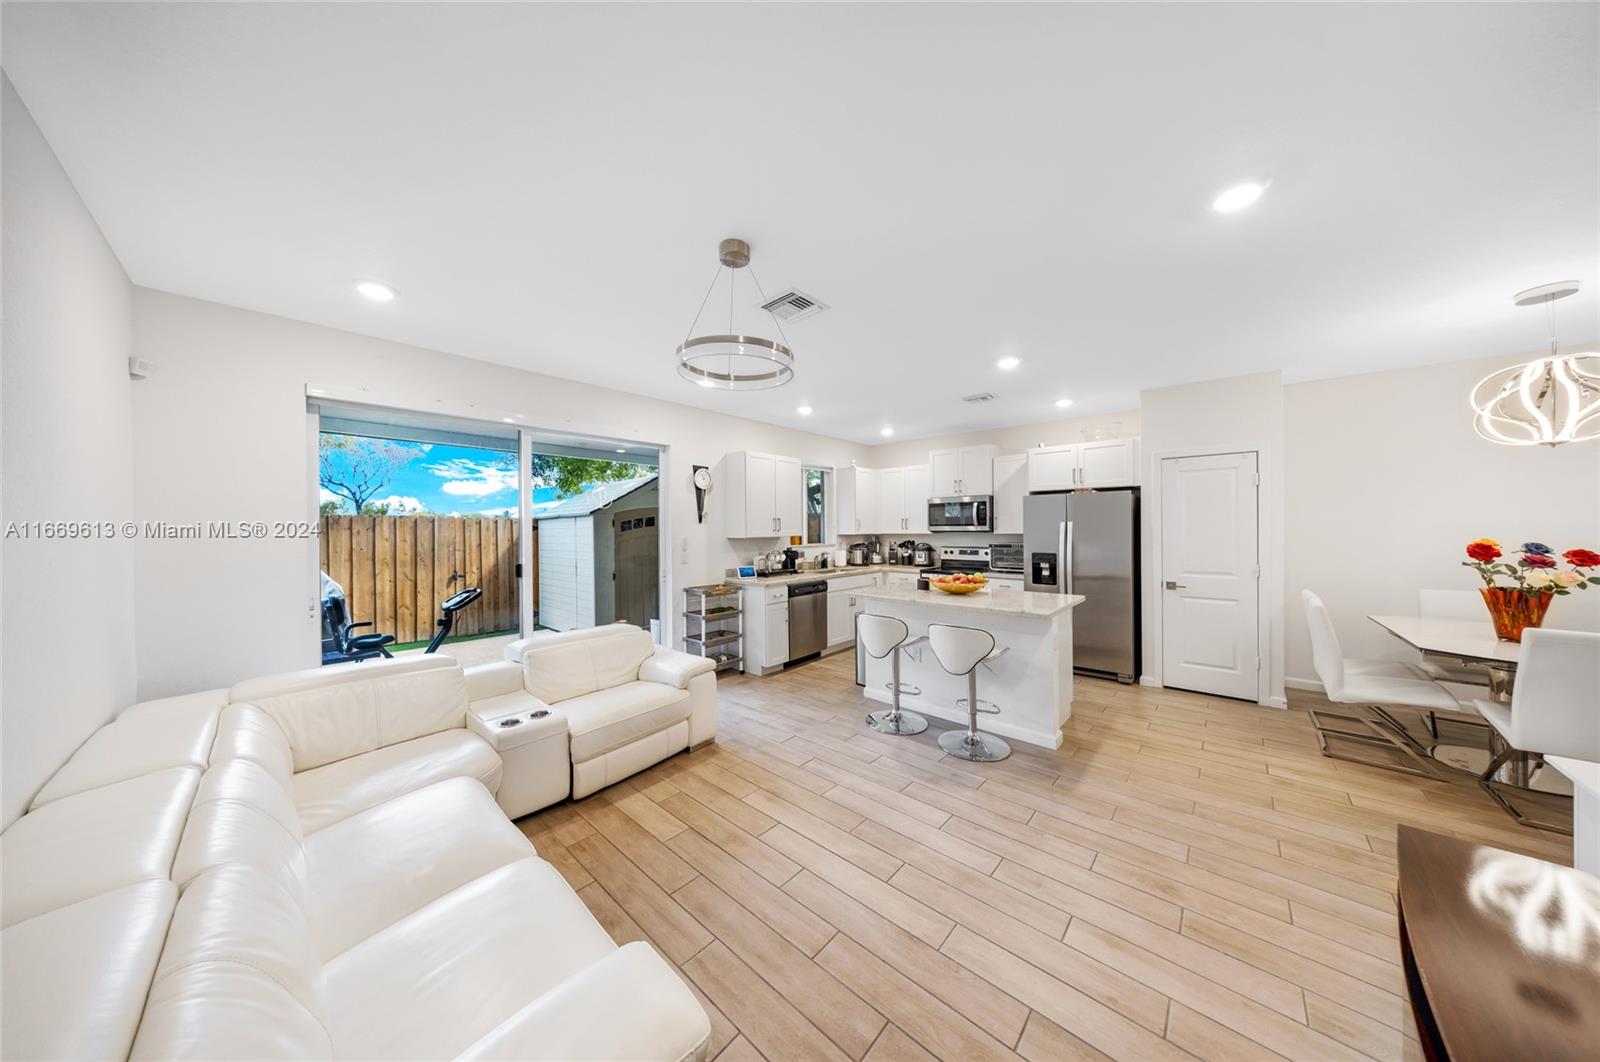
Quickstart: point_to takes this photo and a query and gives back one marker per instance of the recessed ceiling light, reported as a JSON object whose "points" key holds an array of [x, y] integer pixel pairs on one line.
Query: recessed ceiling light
{"points": [[376, 291], [1238, 197], [1063, 403], [1008, 363], [804, 411], [886, 432]]}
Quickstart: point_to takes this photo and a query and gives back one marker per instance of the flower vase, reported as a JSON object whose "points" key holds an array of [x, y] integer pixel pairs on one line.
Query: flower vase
{"points": [[1515, 610]]}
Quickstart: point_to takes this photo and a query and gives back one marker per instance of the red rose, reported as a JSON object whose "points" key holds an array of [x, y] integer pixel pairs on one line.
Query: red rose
{"points": [[1538, 560], [1582, 558], [1484, 553]]}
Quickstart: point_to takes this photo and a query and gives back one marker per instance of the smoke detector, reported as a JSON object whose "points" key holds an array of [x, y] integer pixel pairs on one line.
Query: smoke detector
{"points": [[793, 305], [985, 396]]}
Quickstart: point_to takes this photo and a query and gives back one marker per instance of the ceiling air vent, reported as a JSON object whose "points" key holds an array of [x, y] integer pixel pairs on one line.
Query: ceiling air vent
{"points": [[986, 396], [793, 305]]}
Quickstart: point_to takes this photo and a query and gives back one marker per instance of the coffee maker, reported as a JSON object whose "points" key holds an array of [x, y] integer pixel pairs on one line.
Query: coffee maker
{"points": [[791, 557]]}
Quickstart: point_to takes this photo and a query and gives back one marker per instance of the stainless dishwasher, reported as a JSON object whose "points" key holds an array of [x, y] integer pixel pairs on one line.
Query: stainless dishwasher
{"points": [[808, 619]]}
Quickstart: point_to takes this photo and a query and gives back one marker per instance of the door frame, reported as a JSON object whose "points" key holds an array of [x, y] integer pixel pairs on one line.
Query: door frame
{"points": [[1269, 554]]}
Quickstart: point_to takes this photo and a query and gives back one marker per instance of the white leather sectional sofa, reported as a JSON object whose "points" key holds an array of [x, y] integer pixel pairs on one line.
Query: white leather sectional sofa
{"points": [[314, 865]]}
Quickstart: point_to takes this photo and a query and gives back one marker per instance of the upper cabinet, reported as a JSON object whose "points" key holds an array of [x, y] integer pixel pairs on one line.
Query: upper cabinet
{"points": [[1010, 487], [856, 494], [961, 470], [901, 501], [1103, 463], [1109, 463], [764, 498]]}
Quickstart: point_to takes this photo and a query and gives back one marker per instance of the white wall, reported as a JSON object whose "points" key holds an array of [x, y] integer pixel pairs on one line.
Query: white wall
{"points": [[1006, 440], [67, 664], [220, 433], [1217, 416], [1387, 484]]}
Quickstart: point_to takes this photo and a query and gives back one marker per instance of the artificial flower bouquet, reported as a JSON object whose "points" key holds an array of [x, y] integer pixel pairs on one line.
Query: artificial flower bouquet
{"points": [[1536, 578]]}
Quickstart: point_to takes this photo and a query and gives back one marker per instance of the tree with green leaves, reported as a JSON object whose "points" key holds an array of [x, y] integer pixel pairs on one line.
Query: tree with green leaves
{"points": [[357, 468], [569, 475]]}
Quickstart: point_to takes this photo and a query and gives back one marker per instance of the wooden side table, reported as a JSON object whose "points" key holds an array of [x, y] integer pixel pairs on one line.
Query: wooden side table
{"points": [[1501, 951]]}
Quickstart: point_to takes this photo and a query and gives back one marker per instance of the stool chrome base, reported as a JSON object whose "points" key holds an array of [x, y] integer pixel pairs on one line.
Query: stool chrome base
{"points": [[893, 721], [969, 745]]}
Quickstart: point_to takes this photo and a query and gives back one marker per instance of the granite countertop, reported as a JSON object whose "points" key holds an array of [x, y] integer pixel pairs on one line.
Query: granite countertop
{"points": [[823, 573], [994, 600]]}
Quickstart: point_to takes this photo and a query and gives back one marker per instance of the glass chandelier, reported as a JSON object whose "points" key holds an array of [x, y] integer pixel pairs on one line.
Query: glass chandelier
{"points": [[1548, 401], [732, 361]]}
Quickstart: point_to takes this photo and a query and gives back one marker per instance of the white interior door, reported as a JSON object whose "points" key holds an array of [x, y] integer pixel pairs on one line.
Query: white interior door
{"points": [[1209, 571]]}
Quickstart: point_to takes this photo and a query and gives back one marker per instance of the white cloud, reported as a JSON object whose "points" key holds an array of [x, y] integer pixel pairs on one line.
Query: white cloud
{"points": [[498, 512], [465, 477], [401, 504], [327, 495]]}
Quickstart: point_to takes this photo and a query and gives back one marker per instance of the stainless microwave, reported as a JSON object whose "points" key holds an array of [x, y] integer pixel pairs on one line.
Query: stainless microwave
{"points": [[970, 512]]}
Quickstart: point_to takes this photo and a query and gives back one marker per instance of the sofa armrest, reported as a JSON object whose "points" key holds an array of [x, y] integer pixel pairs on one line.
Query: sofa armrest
{"points": [[581, 1018], [493, 680], [673, 668]]}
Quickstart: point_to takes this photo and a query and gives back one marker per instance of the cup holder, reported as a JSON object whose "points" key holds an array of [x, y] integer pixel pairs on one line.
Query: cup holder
{"points": [[539, 714], [507, 723]]}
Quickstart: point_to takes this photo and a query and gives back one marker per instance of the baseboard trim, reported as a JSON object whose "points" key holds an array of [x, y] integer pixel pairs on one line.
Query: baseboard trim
{"points": [[1303, 684], [1152, 683]]}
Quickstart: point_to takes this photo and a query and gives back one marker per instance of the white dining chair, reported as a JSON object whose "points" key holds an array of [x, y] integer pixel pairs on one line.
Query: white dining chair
{"points": [[1373, 687], [961, 651], [1554, 711], [1466, 605]]}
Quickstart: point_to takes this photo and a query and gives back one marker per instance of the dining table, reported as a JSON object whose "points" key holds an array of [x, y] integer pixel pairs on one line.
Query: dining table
{"points": [[1469, 642]]}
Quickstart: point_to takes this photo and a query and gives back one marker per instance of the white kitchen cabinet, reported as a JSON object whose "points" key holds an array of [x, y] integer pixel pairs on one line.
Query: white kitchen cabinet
{"points": [[961, 470], [916, 500], [1010, 487], [762, 495], [891, 519], [790, 508], [1052, 468], [944, 468], [841, 621], [855, 491], [1108, 463], [1103, 463], [775, 647], [902, 501]]}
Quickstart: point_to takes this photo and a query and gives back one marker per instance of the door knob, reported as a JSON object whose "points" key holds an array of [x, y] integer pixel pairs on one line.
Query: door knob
{"points": [[1175, 586]]}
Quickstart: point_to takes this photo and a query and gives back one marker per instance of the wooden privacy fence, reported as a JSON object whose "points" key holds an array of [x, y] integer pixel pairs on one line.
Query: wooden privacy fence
{"points": [[396, 569]]}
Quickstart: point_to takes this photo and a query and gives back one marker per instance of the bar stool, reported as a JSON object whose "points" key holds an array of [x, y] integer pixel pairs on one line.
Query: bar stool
{"points": [[960, 650], [883, 636], [1552, 713]]}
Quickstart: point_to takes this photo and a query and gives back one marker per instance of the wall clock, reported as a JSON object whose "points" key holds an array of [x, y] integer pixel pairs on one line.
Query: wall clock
{"points": [[702, 483]]}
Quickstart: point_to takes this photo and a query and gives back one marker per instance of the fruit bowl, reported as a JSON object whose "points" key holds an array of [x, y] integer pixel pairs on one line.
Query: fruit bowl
{"points": [[966, 585]]}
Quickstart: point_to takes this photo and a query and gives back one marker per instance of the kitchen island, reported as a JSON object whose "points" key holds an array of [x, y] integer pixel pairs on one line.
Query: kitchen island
{"points": [[1031, 684]]}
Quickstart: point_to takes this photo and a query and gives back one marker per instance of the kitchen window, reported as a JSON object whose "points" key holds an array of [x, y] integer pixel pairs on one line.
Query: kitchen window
{"points": [[815, 484]]}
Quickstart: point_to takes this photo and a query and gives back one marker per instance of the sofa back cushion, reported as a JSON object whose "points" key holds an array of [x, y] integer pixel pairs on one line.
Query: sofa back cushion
{"points": [[243, 815], [333, 713], [558, 667], [238, 975]]}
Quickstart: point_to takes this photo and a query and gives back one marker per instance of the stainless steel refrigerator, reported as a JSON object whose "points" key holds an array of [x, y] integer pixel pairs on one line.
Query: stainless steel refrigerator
{"points": [[1088, 543]]}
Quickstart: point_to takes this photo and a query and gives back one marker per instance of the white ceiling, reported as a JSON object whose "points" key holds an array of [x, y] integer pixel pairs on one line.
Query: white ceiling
{"points": [[546, 185]]}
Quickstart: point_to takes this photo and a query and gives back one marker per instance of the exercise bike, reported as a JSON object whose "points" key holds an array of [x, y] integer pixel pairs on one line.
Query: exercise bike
{"points": [[340, 645]]}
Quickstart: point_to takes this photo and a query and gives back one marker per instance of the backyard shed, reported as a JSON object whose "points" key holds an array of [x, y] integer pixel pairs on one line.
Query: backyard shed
{"points": [[599, 556]]}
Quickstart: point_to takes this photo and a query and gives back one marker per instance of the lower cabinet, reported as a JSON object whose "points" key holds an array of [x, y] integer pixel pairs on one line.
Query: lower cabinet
{"points": [[841, 617], [776, 652]]}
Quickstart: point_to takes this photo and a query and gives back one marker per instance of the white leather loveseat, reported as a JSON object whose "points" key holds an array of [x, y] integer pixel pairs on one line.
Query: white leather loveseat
{"points": [[623, 702], [310, 866]]}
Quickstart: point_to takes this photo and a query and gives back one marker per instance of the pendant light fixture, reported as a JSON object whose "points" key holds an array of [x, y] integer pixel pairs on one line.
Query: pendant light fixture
{"points": [[1548, 401], [733, 361]]}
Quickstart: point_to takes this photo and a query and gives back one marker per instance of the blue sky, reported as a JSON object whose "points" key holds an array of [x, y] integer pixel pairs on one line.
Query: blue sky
{"points": [[455, 479]]}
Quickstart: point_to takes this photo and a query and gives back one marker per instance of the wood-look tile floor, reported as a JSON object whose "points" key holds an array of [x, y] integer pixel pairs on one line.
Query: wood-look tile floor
{"points": [[1185, 877]]}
